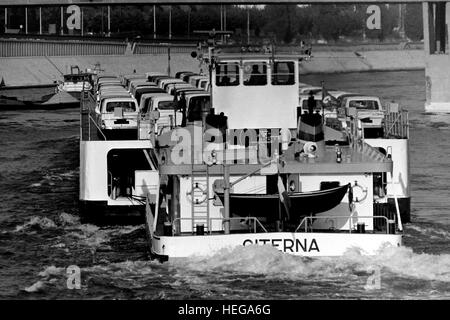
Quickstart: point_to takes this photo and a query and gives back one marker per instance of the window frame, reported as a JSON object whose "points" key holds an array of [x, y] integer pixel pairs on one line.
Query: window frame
{"points": [[274, 74], [220, 75], [265, 72]]}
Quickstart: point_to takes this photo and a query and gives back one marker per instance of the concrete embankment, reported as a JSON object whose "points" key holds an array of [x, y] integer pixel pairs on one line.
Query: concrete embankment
{"points": [[44, 70], [361, 61]]}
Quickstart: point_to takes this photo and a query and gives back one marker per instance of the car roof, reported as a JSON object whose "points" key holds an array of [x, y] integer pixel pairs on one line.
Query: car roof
{"points": [[116, 92], [140, 80], [198, 94], [155, 94], [106, 76], [185, 90], [176, 84], [172, 79], [167, 97], [112, 84], [199, 76], [147, 89], [155, 73], [108, 79], [119, 98]]}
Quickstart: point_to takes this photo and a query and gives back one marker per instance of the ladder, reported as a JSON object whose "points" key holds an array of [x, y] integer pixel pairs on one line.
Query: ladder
{"points": [[199, 196]]}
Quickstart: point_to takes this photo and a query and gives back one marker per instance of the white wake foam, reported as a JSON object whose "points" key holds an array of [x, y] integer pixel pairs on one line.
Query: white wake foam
{"points": [[42, 222], [268, 261]]}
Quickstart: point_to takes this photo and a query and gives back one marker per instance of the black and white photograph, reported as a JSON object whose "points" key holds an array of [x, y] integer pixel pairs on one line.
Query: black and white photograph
{"points": [[235, 152]]}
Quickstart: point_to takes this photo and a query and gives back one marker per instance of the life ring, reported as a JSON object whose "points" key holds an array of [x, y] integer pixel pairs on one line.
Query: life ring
{"points": [[358, 192], [190, 194]]}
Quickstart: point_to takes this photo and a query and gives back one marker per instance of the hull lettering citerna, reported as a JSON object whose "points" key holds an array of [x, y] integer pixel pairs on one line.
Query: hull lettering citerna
{"points": [[287, 245]]}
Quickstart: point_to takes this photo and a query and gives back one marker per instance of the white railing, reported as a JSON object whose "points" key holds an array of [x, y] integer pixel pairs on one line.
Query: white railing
{"points": [[396, 124], [305, 220], [255, 221]]}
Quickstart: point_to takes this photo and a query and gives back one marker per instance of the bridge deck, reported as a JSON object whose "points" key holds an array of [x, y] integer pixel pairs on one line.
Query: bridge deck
{"points": [[11, 3]]}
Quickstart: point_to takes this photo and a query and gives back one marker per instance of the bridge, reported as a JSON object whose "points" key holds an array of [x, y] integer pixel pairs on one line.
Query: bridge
{"points": [[436, 27], [10, 3]]}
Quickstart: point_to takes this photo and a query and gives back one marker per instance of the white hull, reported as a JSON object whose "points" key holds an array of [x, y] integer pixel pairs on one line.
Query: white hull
{"points": [[314, 244]]}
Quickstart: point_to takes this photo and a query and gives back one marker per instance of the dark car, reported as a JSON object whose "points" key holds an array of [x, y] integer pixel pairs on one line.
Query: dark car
{"points": [[179, 74], [140, 91]]}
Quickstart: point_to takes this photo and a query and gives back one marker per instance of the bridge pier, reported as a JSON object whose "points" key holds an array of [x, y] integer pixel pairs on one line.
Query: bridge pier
{"points": [[436, 24]]}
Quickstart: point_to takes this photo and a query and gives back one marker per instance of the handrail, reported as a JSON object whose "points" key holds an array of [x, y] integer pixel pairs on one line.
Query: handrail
{"points": [[96, 125], [305, 220], [209, 220], [395, 120], [397, 123]]}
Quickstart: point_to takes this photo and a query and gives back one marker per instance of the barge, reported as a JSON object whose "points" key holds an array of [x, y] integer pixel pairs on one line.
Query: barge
{"points": [[244, 167]]}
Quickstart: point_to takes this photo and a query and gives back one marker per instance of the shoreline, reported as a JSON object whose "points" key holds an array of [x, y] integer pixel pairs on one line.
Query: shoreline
{"points": [[38, 70]]}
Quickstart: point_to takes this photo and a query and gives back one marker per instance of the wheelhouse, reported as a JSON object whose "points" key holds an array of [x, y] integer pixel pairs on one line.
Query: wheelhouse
{"points": [[263, 87]]}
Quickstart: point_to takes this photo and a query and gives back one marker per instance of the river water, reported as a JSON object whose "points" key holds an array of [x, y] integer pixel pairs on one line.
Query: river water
{"points": [[40, 234]]}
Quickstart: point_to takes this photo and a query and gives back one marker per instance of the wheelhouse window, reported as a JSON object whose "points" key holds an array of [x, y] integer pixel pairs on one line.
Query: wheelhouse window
{"points": [[127, 106], [283, 73], [227, 74], [364, 104], [255, 74]]}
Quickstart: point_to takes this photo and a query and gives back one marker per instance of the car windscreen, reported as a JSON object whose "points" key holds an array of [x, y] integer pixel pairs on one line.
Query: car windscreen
{"points": [[127, 106], [196, 105], [364, 104], [166, 105]]}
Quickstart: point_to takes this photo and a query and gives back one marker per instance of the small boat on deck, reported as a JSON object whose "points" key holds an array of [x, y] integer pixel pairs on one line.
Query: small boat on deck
{"points": [[300, 204]]}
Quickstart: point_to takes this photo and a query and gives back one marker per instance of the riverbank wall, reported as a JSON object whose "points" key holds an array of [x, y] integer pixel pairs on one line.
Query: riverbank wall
{"points": [[363, 61], [42, 70]]}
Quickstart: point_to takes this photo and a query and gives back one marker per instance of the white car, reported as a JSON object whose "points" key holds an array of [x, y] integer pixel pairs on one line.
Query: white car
{"points": [[320, 106], [166, 106], [368, 109], [146, 101], [115, 112], [203, 84], [163, 83], [171, 87]]}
